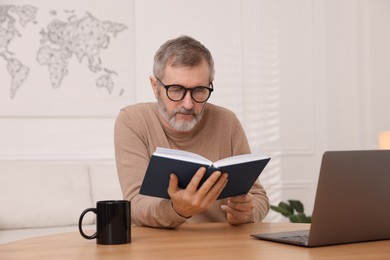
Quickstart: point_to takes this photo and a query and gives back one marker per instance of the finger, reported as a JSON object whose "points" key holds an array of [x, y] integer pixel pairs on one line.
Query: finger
{"points": [[213, 184], [194, 183], [242, 198], [241, 206], [218, 187], [235, 217], [173, 184], [227, 209]]}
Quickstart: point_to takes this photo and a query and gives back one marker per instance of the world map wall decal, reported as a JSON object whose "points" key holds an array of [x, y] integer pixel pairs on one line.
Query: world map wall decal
{"points": [[69, 47]]}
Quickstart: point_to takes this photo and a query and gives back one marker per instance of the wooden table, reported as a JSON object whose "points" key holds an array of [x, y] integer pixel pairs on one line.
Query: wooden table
{"points": [[197, 241]]}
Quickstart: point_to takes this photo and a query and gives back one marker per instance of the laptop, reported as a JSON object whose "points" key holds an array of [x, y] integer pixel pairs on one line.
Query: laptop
{"points": [[352, 201]]}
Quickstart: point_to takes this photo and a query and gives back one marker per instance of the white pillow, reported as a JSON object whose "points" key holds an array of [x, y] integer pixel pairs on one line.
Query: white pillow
{"points": [[43, 195], [104, 182]]}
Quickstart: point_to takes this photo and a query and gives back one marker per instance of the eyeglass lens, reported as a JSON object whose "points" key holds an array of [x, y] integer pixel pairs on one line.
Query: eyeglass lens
{"points": [[177, 93]]}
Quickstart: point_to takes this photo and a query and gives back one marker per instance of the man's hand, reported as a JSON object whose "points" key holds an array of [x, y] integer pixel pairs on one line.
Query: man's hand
{"points": [[190, 201], [239, 209]]}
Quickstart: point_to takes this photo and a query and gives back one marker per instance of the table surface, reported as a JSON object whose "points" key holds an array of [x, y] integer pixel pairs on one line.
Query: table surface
{"points": [[192, 241]]}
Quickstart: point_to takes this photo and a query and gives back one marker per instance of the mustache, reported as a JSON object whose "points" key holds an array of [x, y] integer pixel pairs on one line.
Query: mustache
{"points": [[184, 111]]}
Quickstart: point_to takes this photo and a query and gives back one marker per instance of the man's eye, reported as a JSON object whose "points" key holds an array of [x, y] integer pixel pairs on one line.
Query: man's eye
{"points": [[201, 90], [176, 89]]}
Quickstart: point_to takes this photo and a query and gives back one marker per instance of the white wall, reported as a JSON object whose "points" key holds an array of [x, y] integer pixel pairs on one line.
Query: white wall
{"points": [[303, 76]]}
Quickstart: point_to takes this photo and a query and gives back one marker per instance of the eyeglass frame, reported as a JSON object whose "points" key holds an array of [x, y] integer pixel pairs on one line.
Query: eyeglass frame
{"points": [[210, 89]]}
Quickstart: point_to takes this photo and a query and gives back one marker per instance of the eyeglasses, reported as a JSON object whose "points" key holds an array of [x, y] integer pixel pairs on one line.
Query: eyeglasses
{"points": [[199, 94]]}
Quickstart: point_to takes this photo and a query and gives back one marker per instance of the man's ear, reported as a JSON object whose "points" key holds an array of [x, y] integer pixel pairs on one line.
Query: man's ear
{"points": [[154, 84]]}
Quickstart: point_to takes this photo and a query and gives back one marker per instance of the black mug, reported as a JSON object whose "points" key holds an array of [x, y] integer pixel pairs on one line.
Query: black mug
{"points": [[112, 222]]}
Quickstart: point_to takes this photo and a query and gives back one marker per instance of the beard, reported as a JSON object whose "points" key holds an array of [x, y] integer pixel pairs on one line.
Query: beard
{"points": [[179, 125]]}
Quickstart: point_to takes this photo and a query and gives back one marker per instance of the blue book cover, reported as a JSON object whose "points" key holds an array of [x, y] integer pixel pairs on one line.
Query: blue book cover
{"points": [[243, 171]]}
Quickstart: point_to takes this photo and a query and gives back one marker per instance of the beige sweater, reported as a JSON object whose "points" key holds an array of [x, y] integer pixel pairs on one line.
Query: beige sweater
{"points": [[138, 131]]}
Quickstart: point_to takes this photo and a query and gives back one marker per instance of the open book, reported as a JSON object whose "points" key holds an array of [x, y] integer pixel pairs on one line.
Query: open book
{"points": [[243, 171]]}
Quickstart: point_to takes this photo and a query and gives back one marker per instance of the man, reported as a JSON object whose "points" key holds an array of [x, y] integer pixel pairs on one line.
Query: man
{"points": [[182, 119]]}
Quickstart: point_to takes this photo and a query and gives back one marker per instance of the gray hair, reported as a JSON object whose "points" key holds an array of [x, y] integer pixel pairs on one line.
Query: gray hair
{"points": [[182, 51]]}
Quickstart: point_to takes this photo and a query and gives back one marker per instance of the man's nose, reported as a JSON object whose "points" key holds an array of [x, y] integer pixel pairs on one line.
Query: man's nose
{"points": [[188, 102]]}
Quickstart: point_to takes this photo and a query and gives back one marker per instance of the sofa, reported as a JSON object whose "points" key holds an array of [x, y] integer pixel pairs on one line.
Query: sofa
{"points": [[41, 198]]}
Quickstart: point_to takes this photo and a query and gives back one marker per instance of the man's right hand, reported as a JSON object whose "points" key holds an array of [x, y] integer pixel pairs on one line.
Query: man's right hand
{"points": [[190, 201]]}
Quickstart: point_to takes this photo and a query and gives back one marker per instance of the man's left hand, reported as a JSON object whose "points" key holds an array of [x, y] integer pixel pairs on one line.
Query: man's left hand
{"points": [[239, 209]]}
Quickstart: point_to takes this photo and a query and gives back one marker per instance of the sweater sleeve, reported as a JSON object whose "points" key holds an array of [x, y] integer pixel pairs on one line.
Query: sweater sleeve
{"points": [[133, 149]]}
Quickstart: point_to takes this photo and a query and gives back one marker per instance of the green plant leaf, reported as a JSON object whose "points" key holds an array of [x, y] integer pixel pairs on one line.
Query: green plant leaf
{"points": [[300, 218], [288, 209], [280, 210], [283, 208], [297, 205], [308, 219], [286, 206], [294, 219]]}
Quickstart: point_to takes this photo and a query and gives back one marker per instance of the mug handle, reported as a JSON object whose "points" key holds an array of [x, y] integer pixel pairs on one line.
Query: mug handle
{"points": [[80, 224]]}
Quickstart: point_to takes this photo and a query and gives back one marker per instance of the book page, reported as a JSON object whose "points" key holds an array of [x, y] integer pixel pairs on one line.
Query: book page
{"points": [[181, 155], [238, 159]]}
